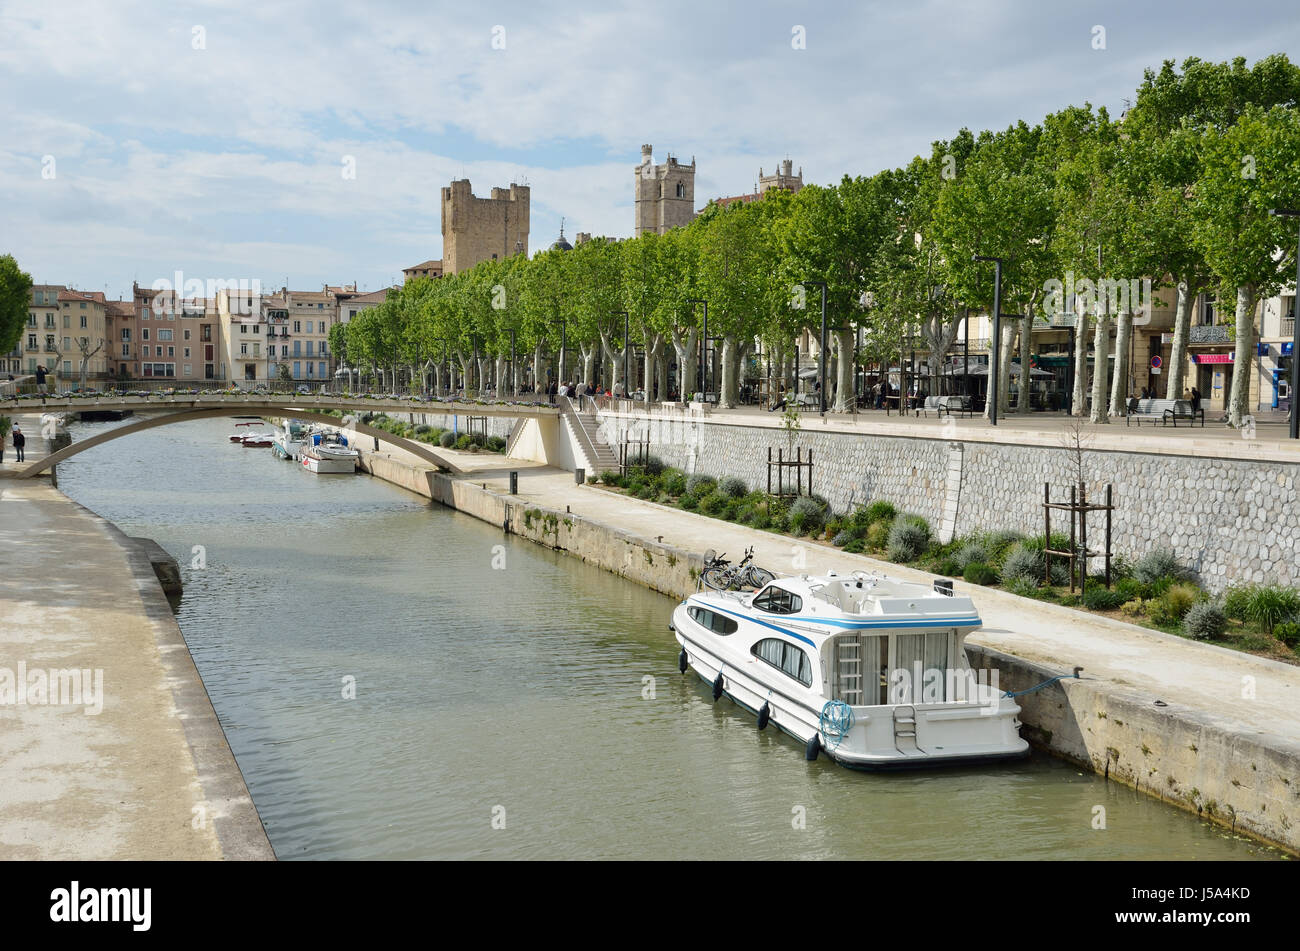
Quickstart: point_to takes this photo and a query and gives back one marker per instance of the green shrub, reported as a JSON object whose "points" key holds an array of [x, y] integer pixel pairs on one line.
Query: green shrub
{"points": [[733, 487], [701, 485], [673, 481], [1176, 601], [979, 573], [1060, 572], [688, 502], [1121, 569], [653, 465], [1288, 632], [1154, 565], [880, 511], [1023, 587], [908, 538], [1236, 601], [841, 539], [855, 546], [496, 443], [999, 543], [1204, 621], [1269, 605], [969, 553], [948, 568], [806, 516], [878, 535], [447, 439], [422, 429], [1022, 564], [715, 503], [1132, 588], [1098, 598], [611, 477], [1134, 608]]}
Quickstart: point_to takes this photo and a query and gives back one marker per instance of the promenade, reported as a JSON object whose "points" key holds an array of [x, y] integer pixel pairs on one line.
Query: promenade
{"points": [[137, 767]]}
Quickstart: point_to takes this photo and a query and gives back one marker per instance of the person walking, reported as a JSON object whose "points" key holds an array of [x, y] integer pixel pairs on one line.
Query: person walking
{"points": [[1196, 399], [40, 378], [20, 441]]}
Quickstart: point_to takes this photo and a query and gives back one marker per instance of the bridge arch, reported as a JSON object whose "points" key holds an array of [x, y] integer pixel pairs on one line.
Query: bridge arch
{"points": [[419, 449]]}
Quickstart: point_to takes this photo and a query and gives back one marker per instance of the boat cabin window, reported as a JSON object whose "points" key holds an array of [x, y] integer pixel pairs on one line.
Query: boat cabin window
{"points": [[776, 600], [717, 623], [786, 658]]}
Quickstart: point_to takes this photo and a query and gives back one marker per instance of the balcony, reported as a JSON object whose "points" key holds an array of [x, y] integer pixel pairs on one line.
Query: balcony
{"points": [[1203, 334], [1288, 326]]}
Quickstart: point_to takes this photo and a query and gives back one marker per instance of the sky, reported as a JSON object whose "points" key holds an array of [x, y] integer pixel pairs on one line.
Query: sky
{"points": [[307, 143]]}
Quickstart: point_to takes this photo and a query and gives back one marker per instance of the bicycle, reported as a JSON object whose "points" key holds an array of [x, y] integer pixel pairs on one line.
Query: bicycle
{"points": [[720, 575]]}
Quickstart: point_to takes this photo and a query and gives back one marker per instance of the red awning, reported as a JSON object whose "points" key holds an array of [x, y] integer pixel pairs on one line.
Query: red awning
{"points": [[1212, 357]]}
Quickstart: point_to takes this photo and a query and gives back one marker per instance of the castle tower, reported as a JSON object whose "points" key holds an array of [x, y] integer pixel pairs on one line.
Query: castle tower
{"points": [[482, 229], [665, 194]]}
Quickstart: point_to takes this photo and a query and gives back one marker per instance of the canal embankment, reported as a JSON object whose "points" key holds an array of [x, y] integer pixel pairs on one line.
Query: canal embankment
{"points": [[1208, 730], [109, 745]]}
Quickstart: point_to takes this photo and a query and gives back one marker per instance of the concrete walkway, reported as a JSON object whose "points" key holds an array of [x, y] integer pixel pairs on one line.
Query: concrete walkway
{"points": [[150, 776], [1215, 680]]}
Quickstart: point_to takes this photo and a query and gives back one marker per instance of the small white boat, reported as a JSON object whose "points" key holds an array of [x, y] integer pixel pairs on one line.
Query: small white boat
{"points": [[289, 441], [866, 669], [258, 440], [328, 453]]}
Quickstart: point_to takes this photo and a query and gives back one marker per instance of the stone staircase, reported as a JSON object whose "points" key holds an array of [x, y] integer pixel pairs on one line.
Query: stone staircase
{"points": [[586, 428]]}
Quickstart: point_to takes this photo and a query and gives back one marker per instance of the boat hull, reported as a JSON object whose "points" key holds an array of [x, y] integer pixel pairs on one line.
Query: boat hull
{"points": [[947, 733]]}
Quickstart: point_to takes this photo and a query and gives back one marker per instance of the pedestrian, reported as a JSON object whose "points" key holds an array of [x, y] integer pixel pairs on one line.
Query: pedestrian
{"points": [[40, 378], [1196, 399], [19, 442]]}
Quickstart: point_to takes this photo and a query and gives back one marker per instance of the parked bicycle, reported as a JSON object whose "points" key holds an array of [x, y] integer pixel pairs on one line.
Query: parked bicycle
{"points": [[721, 575]]}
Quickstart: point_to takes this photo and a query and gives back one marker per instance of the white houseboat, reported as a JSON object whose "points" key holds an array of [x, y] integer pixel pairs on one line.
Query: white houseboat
{"points": [[866, 669]]}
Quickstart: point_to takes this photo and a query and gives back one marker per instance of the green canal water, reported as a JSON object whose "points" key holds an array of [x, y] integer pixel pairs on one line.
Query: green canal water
{"points": [[512, 702]]}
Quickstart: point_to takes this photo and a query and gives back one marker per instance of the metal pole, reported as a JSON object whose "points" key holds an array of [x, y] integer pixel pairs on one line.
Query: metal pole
{"points": [[823, 353], [704, 350], [627, 392], [514, 373], [1295, 348], [996, 348], [564, 340]]}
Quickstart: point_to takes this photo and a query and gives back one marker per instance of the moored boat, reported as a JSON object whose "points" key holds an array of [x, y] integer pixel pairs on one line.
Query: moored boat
{"points": [[328, 453], [289, 441], [870, 670]]}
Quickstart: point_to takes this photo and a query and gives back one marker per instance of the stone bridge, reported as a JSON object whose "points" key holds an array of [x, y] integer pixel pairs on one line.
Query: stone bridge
{"points": [[166, 409]]}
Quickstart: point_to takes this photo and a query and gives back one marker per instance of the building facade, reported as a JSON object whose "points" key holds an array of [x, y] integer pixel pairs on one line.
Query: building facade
{"points": [[665, 194], [481, 229]]}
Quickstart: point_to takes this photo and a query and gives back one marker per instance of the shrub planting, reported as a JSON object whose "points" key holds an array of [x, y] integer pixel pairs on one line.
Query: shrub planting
{"points": [[969, 553], [1269, 605], [1022, 564], [908, 538], [733, 487], [1158, 564], [806, 516], [1204, 621], [1170, 606], [979, 573], [447, 439], [700, 485], [1097, 598]]}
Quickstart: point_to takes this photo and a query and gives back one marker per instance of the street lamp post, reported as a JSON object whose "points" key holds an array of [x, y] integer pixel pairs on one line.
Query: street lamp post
{"points": [[822, 356], [514, 373], [994, 373], [1294, 213]]}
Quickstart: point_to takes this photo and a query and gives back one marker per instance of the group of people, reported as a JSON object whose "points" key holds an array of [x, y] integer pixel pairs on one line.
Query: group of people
{"points": [[1193, 395], [572, 390]]}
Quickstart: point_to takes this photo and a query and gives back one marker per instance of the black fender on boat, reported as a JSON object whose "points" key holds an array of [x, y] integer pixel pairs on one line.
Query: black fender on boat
{"points": [[681, 661], [717, 688], [764, 714], [813, 748]]}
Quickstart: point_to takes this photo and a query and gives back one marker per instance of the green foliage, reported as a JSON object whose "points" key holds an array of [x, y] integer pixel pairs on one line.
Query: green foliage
{"points": [[807, 516], [1204, 621], [688, 502], [733, 487], [1288, 632], [877, 536], [969, 553], [611, 477], [979, 573], [673, 481], [1132, 588], [1022, 564], [1170, 606], [879, 511], [701, 485], [842, 538], [1158, 564], [948, 568], [1269, 605], [1098, 598], [908, 538], [1021, 586], [715, 503], [15, 299], [855, 546], [1135, 607], [447, 439]]}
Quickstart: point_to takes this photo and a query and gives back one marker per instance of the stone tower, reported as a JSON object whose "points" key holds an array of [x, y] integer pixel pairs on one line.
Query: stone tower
{"points": [[782, 179], [481, 229], [665, 194]]}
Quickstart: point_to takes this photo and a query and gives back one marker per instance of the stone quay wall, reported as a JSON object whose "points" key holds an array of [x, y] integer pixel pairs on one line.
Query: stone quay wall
{"points": [[1232, 521]]}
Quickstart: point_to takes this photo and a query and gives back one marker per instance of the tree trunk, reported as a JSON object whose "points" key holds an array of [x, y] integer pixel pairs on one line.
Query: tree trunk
{"points": [[844, 340], [1123, 344], [539, 368], [729, 394], [1003, 371], [1026, 356], [1244, 359], [688, 362], [1079, 403], [1101, 359], [616, 364], [1177, 368], [588, 352]]}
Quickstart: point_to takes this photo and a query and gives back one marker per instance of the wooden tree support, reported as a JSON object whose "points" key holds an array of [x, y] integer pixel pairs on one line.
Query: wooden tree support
{"points": [[1079, 552], [781, 464], [633, 453]]}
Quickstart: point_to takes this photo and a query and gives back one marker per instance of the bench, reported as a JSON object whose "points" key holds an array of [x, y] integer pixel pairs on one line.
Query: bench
{"points": [[1151, 409], [947, 404], [1182, 409], [808, 399]]}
